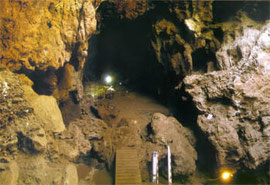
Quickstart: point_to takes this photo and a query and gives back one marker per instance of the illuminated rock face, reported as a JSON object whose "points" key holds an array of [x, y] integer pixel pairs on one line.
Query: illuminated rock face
{"points": [[38, 34], [177, 37], [39, 37], [234, 103], [32, 134]]}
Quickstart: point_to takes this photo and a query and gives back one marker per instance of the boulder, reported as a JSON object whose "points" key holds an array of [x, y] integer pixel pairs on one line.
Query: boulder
{"points": [[9, 173], [21, 128], [36, 170], [168, 131], [46, 108], [234, 103], [71, 176]]}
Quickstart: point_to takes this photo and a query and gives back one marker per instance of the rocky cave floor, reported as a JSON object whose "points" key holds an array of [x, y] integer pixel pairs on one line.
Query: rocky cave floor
{"points": [[127, 116]]}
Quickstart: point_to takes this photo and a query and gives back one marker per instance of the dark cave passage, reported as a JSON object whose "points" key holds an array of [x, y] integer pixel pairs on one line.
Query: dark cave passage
{"points": [[122, 48]]}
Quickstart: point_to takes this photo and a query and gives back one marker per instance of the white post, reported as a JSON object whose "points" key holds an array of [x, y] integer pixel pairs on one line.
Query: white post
{"points": [[155, 167], [169, 166]]}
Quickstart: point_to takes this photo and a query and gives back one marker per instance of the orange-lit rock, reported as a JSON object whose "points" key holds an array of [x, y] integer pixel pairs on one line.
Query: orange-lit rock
{"points": [[38, 34]]}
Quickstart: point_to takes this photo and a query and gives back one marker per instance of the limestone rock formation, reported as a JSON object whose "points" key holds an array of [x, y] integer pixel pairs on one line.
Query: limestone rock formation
{"points": [[40, 37], [234, 103], [168, 131], [176, 39], [29, 126], [9, 173], [19, 125], [51, 31], [37, 171], [46, 109], [127, 9], [168, 39], [241, 37]]}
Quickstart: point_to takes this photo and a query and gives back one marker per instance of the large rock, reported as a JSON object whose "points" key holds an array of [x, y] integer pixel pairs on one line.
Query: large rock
{"points": [[9, 173], [234, 103], [168, 131], [47, 109], [172, 41], [36, 170], [247, 33], [21, 128], [71, 176]]}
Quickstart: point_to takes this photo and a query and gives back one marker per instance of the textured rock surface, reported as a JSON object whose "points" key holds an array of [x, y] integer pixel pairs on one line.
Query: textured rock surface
{"points": [[177, 38], [19, 124], [168, 131], [37, 171], [51, 31], [240, 37], [29, 131], [127, 9], [234, 103], [9, 173], [46, 109], [39, 37], [122, 130]]}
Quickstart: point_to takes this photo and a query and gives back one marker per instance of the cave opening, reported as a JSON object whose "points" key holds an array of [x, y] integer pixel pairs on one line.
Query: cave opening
{"points": [[122, 48], [204, 61]]}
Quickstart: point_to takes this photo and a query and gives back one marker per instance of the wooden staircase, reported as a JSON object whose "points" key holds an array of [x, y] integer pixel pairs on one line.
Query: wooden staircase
{"points": [[127, 169]]}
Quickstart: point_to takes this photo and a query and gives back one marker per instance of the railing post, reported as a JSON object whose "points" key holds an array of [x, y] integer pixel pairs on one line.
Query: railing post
{"points": [[169, 166], [155, 167]]}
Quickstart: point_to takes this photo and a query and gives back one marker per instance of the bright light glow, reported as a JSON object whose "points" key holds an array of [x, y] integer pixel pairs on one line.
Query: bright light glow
{"points": [[108, 79], [226, 176], [111, 88]]}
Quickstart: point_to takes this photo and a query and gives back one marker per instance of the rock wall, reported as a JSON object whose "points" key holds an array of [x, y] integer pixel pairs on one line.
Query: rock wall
{"points": [[39, 37], [48, 41], [38, 34], [35, 145], [233, 103]]}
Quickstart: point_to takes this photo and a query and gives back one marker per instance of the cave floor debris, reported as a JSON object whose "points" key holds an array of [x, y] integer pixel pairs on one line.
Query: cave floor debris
{"points": [[125, 109]]}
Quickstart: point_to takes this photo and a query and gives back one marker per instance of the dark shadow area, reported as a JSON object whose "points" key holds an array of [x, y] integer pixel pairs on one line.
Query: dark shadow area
{"points": [[95, 112], [185, 111], [25, 144], [70, 111], [219, 34], [203, 61], [123, 48], [225, 10], [259, 176], [45, 82]]}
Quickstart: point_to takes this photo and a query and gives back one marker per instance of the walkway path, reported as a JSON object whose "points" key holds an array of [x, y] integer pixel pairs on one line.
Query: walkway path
{"points": [[127, 170]]}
